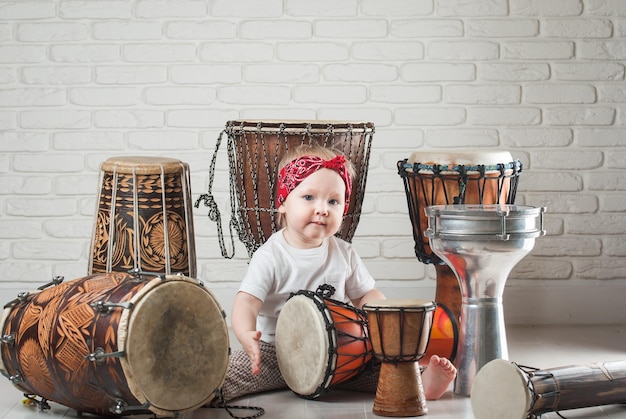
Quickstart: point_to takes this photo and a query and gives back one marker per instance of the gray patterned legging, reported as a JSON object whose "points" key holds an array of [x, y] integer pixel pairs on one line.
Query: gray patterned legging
{"points": [[240, 382]]}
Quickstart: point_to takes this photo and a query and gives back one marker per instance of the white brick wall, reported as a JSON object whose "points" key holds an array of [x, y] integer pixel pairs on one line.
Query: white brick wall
{"points": [[83, 81]]}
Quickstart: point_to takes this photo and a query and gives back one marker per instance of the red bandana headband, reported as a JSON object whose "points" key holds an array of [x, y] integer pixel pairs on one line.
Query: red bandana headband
{"points": [[299, 169]]}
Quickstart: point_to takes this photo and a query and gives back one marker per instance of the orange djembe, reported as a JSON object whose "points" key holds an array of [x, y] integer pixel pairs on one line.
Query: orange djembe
{"points": [[400, 330]]}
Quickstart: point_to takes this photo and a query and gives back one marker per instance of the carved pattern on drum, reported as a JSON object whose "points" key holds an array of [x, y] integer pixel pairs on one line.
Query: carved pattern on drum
{"points": [[116, 250], [35, 366]]}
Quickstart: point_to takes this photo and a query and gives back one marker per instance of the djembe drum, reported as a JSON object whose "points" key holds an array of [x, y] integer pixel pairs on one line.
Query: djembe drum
{"points": [[400, 330], [482, 244], [144, 217], [505, 389], [117, 344], [320, 342], [255, 148], [440, 178]]}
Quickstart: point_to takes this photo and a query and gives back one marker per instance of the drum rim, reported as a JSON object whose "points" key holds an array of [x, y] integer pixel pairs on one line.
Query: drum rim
{"points": [[472, 210], [404, 304], [143, 165], [3, 320], [294, 125], [503, 368]]}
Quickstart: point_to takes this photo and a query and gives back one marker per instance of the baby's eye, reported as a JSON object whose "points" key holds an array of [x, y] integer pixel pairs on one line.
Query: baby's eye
{"points": [[308, 197], [333, 202]]}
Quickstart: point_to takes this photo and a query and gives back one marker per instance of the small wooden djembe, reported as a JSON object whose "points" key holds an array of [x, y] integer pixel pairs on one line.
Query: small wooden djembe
{"points": [[400, 330]]}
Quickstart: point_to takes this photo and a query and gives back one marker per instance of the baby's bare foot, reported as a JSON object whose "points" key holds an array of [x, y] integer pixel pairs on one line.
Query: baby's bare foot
{"points": [[437, 377]]}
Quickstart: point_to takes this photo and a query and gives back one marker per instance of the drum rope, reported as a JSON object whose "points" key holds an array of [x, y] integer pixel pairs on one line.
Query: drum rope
{"points": [[220, 403], [214, 212]]}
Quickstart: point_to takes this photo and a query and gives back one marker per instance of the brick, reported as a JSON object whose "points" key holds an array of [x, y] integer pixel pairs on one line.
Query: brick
{"points": [[610, 224], [163, 140], [532, 268], [321, 8], [69, 229], [381, 116], [93, 140], [484, 94], [135, 31], [606, 181], [236, 52], [22, 54], [561, 203], [462, 51], [7, 75], [590, 71], [546, 8], [601, 137], [438, 72], [60, 75], [562, 93], [537, 50], [206, 74], [254, 95], [430, 116], [492, 28], [105, 96], [601, 50], [613, 203], [6, 32], [85, 53], [29, 185], [330, 94], [55, 119], [135, 118], [550, 181], [614, 246], [49, 162], [390, 93], [20, 229], [95, 9], [23, 141], [131, 74], [461, 137], [393, 138], [400, 248], [36, 207], [615, 159], [506, 116], [587, 28], [191, 118], [360, 72], [611, 93], [393, 204], [158, 53], [275, 29], [312, 51], [12, 10], [32, 97], [7, 120], [579, 116], [57, 32], [151, 9], [536, 137], [75, 184], [50, 250], [513, 71], [247, 8], [282, 73], [605, 8], [607, 268], [472, 8], [385, 51], [422, 28], [180, 95], [573, 246], [360, 29]]}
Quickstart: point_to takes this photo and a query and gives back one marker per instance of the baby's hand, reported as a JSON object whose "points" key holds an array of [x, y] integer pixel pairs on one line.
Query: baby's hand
{"points": [[251, 345]]}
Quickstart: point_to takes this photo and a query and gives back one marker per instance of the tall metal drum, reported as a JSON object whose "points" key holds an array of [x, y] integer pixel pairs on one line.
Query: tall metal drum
{"points": [[482, 244]]}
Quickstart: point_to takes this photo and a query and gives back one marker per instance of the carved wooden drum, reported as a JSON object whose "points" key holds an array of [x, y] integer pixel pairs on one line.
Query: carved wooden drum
{"points": [[117, 344], [144, 217], [255, 148]]}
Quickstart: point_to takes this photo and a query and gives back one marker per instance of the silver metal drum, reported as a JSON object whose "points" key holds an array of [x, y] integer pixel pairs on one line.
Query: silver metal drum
{"points": [[482, 244]]}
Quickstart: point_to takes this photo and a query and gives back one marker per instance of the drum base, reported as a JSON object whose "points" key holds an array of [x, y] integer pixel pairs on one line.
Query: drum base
{"points": [[400, 392]]}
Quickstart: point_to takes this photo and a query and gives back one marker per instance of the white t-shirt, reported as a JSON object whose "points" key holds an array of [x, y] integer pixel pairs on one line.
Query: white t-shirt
{"points": [[277, 270]]}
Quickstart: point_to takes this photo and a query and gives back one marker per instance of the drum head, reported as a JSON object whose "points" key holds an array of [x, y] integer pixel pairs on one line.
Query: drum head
{"points": [[177, 345], [302, 345], [462, 157], [142, 165], [500, 390], [3, 320]]}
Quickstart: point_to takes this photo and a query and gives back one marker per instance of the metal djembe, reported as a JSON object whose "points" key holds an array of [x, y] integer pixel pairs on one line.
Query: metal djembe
{"points": [[482, 244]]}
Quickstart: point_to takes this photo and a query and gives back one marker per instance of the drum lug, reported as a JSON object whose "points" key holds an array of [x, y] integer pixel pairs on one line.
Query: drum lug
{"points": [[8, 339], [56, 280], [105, 308], [99, 355], [138, 274], [22, 297], [17, 378], [121, 407]]}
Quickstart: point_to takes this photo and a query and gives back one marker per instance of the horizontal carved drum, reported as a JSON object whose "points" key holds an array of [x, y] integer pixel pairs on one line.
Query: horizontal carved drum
{"points": [[320, 342], [505, 389], [144, 218], [447, 178], [255, 148], [400, 331], [482, 244], [117, 344]]}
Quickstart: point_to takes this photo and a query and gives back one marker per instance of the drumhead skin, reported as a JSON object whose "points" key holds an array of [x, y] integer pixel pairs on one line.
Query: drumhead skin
{"points": [[461, 157], [500, 390], [142, 165], [3, 320], [399, 303], [164, 366], [302, 346]]}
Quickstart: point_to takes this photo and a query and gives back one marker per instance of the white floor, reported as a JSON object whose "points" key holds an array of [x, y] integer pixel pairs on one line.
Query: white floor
{"points": [[540, 347]]}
